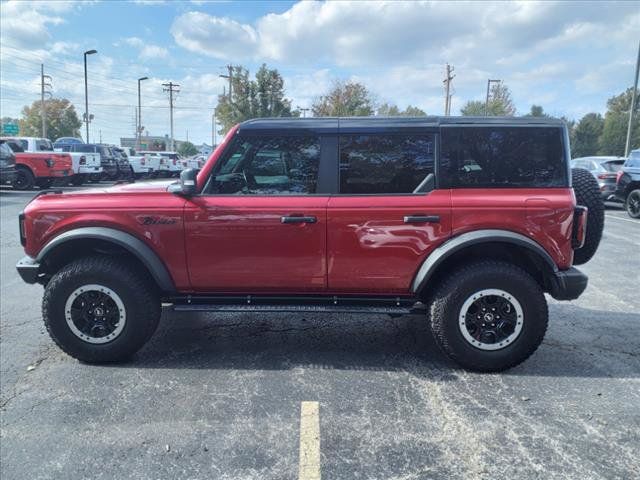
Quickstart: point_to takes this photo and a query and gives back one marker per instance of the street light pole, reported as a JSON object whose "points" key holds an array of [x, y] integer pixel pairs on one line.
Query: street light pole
{"points": [[86, 91], [139, 126]]}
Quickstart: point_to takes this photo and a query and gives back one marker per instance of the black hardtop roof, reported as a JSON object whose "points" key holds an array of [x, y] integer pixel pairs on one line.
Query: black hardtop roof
{"points": [[380, 123]]}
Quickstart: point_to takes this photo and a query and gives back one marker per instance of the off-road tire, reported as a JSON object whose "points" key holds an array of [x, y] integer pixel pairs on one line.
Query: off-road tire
{"points": [[137, 292], [588, 194], [24, 179], [446, 306], [634, 196]]}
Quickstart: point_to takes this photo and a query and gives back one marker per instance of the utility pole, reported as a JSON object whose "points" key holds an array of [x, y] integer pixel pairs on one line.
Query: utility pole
{"points": [[213, 129], [139, 118], [304, 111], [447, 86], [43, 108], [634, 94], [171, 88], [486, 103], [230, 77], [87, 118], [100, 133]]}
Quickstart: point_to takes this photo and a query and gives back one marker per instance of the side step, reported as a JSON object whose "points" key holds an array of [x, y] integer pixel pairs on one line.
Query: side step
{"points": [[249, 303]]}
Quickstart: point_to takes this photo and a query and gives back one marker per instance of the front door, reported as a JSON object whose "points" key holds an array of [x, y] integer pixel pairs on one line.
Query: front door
{"points": [[388, 215], [260, 226]]}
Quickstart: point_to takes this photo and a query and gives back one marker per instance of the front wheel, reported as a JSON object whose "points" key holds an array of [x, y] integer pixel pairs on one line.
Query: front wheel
{"points": [[100, 309], [489, 316], [632, 204]]}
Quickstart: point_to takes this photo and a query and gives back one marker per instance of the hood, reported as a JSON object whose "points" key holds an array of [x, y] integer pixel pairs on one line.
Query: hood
{"points": [[137, 187]]}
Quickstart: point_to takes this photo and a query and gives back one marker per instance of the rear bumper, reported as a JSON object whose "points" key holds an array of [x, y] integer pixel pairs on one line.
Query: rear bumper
{"points": [[88, 170], [29, 269], [568, 284]]}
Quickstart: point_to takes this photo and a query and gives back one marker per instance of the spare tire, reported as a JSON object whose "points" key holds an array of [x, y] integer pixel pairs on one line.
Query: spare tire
{"points": [[587, 193]]}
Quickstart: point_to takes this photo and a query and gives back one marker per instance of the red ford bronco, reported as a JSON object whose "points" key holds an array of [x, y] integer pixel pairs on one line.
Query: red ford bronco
{"points": [[469, 221]]}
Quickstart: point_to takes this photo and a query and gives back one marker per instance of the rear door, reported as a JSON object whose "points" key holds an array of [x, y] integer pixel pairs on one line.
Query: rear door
{"points": [[260, 223], [388, 214]]}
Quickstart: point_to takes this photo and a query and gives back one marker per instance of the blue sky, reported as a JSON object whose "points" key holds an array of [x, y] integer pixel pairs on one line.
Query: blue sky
{"points": [[568, 57]]}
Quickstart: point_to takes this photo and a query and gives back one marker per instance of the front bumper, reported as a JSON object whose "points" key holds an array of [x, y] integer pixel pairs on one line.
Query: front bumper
{"points": [[568, 284], [29, 269]]}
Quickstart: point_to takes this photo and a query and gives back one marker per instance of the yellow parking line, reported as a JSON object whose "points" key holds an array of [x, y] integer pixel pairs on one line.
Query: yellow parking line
{"points": [[309, 441]]}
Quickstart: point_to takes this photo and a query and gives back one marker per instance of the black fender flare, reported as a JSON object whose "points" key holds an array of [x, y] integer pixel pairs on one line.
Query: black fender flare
{"points": [[460, 242], [137, 247]]}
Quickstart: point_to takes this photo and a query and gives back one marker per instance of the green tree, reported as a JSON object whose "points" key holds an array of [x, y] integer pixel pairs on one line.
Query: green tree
{"points": [[262, 97], [187, 149], [386, 110], [536, 111], [616, 120], [586, 135], [500, 103], [62, 120], [345, 99]]}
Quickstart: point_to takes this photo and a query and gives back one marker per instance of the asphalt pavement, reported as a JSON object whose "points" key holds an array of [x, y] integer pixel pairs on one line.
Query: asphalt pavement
{"points": [[220, 396]]}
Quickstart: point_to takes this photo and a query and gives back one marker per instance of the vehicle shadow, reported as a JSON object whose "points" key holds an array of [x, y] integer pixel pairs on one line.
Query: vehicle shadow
{"points": [[579, 343]]}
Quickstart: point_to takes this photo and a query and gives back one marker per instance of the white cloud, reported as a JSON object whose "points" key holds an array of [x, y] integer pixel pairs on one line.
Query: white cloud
{"points": [[147, 51], [24, 25], [217, 37]]}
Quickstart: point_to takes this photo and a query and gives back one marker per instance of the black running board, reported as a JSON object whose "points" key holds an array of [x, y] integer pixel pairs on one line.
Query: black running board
{"points": [[250, 303]]}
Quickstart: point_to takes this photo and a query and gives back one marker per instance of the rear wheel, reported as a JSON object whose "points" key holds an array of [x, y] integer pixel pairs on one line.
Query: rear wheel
{"points": [[587, 192], [489, 316], [24, 179], [100, 309], [632, 204]]}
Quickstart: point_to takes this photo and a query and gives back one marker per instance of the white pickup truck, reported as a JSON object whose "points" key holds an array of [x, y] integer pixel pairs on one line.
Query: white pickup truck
{"points": [[140, 163], [83, 164], [159, 163]]}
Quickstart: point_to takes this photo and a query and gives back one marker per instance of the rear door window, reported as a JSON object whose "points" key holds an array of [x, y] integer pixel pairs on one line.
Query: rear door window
{"points": [[502, 157], [386, 164]]}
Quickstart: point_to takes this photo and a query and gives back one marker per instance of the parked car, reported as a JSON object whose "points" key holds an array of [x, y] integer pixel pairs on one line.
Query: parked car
{"points": [[628, 184], [330, 215], [31, 144], [159, 163], [604, 169], [196, 162], [67, 141], [124, 167], [86, 161], [7, 164], [39, 169], [139, 164], [173, 162]]}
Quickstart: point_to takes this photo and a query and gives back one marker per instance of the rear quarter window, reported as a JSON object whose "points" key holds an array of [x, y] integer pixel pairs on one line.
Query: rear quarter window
{"points": [[502, 157]]}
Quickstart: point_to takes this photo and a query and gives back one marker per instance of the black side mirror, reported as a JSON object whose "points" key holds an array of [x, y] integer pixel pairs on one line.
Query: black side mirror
{"points": [[188, 182]]}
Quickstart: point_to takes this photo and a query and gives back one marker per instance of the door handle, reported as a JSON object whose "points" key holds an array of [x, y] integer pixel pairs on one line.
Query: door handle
{"points": [[422, 219], [298, 219]]}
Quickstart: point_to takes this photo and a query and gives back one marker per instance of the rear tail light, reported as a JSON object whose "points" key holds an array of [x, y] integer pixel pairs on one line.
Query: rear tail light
{"points": [[174, 161], [83, 160], [142, 161], [604, 176], [579, 231], [618, 175]]}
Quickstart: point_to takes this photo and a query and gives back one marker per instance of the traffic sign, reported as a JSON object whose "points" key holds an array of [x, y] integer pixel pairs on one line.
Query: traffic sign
{"points": [[10, 129]]}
